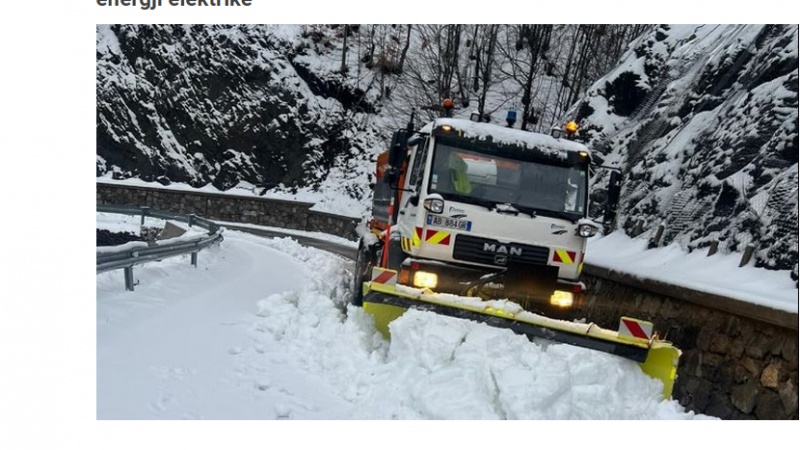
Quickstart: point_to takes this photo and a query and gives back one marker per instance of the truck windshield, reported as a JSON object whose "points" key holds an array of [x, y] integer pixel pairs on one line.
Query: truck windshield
{"points": [[532, 187]]}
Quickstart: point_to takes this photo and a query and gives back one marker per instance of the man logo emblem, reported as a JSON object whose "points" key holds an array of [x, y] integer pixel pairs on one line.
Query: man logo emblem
{"points": [[500, 260], [513, 251]]}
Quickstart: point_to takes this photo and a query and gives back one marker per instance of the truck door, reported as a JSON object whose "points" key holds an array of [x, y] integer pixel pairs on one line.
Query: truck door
{"points": [[410, 199]]}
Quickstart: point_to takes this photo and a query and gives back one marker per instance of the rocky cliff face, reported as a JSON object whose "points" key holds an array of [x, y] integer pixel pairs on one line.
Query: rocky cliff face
{"points": [[223, 105], [703, 121]]}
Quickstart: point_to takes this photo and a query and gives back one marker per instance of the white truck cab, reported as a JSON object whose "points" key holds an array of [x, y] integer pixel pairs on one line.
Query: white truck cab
{"points": [[491, 211]]}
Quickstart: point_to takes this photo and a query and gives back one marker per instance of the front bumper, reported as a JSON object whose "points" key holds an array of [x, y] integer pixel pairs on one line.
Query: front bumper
{"points": [[531, 286]]}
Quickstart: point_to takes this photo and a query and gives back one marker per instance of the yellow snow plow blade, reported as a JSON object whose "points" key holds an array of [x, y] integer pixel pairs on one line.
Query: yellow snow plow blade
{"points": [[657, 358]]}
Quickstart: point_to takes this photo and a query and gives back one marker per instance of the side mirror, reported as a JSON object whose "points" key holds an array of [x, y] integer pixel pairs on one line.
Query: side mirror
{"points": [[612, 197], [397, 152], [391, 176], [397, 149]]}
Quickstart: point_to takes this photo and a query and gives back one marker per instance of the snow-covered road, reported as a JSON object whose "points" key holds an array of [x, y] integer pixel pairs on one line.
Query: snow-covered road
{"points": [[261, 330]]}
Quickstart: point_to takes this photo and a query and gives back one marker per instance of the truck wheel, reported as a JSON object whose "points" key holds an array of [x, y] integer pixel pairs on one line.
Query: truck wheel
{"points": [[396, 255], [363, 267]]}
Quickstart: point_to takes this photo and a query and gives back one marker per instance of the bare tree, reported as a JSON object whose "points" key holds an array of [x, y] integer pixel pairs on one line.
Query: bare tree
{"points": [[530, 46], [431, 70], [402, 62], [344, 49], [540, 69], [483, 53]]}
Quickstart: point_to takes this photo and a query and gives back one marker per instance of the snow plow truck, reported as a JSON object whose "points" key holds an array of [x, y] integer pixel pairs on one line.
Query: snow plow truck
{"points": [[490, 223]]}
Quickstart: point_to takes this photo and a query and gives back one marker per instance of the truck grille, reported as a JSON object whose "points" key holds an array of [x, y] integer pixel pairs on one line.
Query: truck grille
{"points": [[489, 251]]}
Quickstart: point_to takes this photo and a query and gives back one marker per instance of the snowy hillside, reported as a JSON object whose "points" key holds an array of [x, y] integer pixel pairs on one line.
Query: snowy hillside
{"points": [[224, 105], [703, 120]]}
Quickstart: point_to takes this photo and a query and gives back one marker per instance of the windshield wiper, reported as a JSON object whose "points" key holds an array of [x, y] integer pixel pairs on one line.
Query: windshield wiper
{"points": [[527, 210], [507, 208], [533, 212], [470, 200]]}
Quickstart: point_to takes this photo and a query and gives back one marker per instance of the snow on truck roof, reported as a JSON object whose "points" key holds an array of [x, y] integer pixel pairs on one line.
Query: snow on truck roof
{"points": [[508, 136]]}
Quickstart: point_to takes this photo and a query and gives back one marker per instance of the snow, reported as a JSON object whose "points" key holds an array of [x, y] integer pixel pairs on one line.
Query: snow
{"points": [[717, 274], [311, 234], [119, 223], [634, 66], [324, 200], [261, 329], [106, 40], [696, 125], [511, 136]]}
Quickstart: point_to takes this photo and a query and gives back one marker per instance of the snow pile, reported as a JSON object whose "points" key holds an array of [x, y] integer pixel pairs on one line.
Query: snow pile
{"points": [[450, 368], [117, 223]]}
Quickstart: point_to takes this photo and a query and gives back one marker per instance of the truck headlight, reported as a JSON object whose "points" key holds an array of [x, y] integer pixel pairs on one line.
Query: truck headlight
{"points": [[562, 299], [434, 205], [585, 230], [425, 280]]}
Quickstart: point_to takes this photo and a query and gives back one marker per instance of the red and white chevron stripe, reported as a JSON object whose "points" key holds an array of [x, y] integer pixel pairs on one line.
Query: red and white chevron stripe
{"points": [[635, 328], [384, 276]]}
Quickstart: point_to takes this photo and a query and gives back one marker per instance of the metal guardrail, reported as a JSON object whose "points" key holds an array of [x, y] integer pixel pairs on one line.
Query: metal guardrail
{"points": [[126, 258]]}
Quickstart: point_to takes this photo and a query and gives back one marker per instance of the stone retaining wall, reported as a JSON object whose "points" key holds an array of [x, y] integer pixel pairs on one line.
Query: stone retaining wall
{"points": [[732, 366], [229, 208]]}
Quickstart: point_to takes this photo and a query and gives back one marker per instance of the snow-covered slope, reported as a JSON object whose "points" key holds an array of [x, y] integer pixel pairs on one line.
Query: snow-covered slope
{"points": [[703, 120]]}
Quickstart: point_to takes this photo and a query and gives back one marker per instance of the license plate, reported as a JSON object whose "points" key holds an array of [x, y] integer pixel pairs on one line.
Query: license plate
{"points": [[447, 222]]}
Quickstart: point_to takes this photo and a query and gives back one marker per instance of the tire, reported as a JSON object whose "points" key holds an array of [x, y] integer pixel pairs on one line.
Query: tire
{"points": [[396, 255], [363, 267]]}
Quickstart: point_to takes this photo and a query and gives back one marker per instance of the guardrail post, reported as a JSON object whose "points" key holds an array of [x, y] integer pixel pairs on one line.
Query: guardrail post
{"points": [[748, 254], [194, 259], [191, 220], [145, 213], [656, 241], [128, 278], [712, 250]]}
